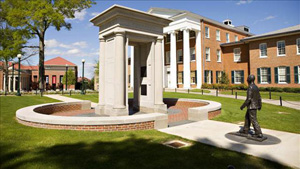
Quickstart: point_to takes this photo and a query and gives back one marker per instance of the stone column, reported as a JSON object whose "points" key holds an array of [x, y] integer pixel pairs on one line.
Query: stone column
{"points": [[119, 86], [9, 83], [102, 72], [163, 61], [158, 86], [173, 61], [131, 66], [198, 59], [186, 59], [4, 79], [137, 78], [14, 83]]}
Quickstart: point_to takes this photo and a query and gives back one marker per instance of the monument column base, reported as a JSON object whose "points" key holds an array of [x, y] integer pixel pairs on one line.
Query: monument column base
{"points": [[157, 108], [110, 111]]}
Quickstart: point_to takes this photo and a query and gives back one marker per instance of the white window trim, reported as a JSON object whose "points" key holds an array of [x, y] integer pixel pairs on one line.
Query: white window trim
{"points": [[234, 77], [207, 32], [236, 38], [228, 37], [218, 34], [297, 48], [278, 50], [219, 61], [208, 81], [234, 55], [208, 60], [191, 54], [298, 74], [261, 76], [278, 75], [177, 56], [260, 56]]}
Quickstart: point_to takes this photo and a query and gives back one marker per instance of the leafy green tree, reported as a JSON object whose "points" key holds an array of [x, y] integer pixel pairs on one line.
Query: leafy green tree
{"points": [[37, 16], [71, 78], [224, 78]]}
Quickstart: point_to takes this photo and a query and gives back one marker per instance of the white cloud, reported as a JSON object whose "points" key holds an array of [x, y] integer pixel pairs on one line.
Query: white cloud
{"points": [[78, 15], [81, 44], [242, 2], [73, 51], [265, 19], [52, 52], [51, 43], [94, 13]]}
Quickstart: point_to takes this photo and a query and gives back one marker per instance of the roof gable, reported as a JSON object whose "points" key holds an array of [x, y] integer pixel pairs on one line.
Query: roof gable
{"points": [[59, 61]]}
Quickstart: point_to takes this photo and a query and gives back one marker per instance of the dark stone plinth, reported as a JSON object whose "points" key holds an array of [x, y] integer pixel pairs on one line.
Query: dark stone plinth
{"points": [[250, 136]]}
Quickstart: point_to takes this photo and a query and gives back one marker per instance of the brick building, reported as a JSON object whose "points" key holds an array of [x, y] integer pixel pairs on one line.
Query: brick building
{"points": [[54, 71]]}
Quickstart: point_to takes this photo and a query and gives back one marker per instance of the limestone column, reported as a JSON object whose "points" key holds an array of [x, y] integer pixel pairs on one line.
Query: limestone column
{"points": [[198, 59], [173, 61], [14, 83], [158, 86], [131, 66], [186, 59], [4, 88], [119, 86], [9, 83], [102, 72], [163, 62]]}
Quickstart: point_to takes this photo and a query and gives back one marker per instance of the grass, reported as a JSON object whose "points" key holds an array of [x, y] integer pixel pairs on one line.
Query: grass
{"points": [[265, 95], [200, 90], [28, 147], [270, 117]]}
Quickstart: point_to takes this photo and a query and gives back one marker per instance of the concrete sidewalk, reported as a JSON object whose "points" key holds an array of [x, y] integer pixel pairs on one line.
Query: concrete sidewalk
{"points": [[213, 133], [67, 99], [290, 104]]}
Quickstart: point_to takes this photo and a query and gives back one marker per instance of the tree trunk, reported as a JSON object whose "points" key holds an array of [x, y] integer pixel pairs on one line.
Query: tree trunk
{"points": [[41, 62], [6, 77]]}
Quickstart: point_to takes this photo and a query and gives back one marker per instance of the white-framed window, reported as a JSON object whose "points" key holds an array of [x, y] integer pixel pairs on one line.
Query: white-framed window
{"points": [[208, 74], [237, 54], [207, 54], [219, 76], [263, 50], [193, 77], [218, 37], [264, 75], [281, 48], [236, 38], [282, 74], [168, 39], [167, 61], [179, 36], [47, 79], [180, 77], [206, 32], [238, 77], [219, 55], [193, 54], [299, 74], [179, 56], [227, 38], [298, 46]]}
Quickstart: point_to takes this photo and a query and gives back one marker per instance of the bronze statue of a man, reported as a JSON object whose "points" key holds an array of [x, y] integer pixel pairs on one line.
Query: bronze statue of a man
{"points": [[253, 102]]}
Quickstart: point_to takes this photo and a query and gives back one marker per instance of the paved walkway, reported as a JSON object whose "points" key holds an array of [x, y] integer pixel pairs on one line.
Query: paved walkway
{"points": [[290, 104], [67, 99], [214, 133]]}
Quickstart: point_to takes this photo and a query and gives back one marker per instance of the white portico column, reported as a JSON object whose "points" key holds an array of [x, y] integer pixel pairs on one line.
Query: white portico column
{"points": [[119, 85], [102, 72], [173, 62], [186, 59], [131, 66], [198, 59], [158, 72], [14, 83], [9, 83]]}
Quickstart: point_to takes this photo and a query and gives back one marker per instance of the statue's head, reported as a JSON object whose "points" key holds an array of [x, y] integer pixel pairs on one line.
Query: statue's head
{"points": [[251, 79]]}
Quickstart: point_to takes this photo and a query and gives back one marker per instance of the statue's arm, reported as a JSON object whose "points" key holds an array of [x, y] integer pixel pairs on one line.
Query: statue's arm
{"points": [[248, 99], [259, 102]]}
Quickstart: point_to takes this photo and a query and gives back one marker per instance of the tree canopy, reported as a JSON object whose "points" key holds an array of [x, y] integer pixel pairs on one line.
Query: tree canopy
{"points": [[71, 78]]}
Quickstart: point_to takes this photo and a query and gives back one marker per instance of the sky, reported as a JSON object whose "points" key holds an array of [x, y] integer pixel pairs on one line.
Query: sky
{"points": [[81, 42]]}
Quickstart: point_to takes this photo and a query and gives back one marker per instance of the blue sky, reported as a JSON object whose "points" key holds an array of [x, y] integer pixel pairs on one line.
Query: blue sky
{"points": [[81, 42]]}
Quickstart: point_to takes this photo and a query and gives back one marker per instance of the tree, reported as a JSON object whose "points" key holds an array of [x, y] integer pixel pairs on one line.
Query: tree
{"points": [[71, 78], [224, 78], [36, 16]]}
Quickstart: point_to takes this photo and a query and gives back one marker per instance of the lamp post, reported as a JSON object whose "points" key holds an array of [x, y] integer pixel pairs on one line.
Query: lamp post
{"points": [[66, 77], [12, 76], [19, 74], [82, 79]]}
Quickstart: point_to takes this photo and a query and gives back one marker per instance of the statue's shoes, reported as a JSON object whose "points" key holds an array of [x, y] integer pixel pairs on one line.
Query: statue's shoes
{"points": [[243, 131], [259, 135]]}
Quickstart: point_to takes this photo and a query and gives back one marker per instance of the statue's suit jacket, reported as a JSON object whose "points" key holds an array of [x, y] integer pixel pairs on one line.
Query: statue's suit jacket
{"points": [[253, 100]]}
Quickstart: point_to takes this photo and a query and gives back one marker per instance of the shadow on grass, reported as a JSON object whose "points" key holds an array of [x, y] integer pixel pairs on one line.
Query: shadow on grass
{"points": [[133, 153]]}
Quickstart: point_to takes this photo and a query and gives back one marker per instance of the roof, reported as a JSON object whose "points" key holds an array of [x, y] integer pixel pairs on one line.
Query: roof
{"points": [[181, 12], [85, 78], [292, 29], [59, 61]]}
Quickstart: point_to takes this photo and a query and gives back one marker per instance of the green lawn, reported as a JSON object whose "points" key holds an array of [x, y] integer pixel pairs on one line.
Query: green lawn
{"points": [[200, 90], [271, 116], [28, 147], [265, 95]]}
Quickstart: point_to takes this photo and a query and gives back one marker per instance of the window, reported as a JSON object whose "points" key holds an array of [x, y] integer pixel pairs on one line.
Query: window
{"points": [[208, 76], [179, 56], [238, 77], [264, 75], [218, 76], [236, 38], [263, 50], [298, 46], [53, 79], [227, 37], [207, 54], [192, 52], [218, 35], [218, 55], [180, 77], [167, 57], [237, 54], [206, 32], [35, 78], [180, 36], [193, 77], [282, 74], [47, 79], [280, 48], [61, 78], [192, 34], [168, 38], [297, 74]]}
